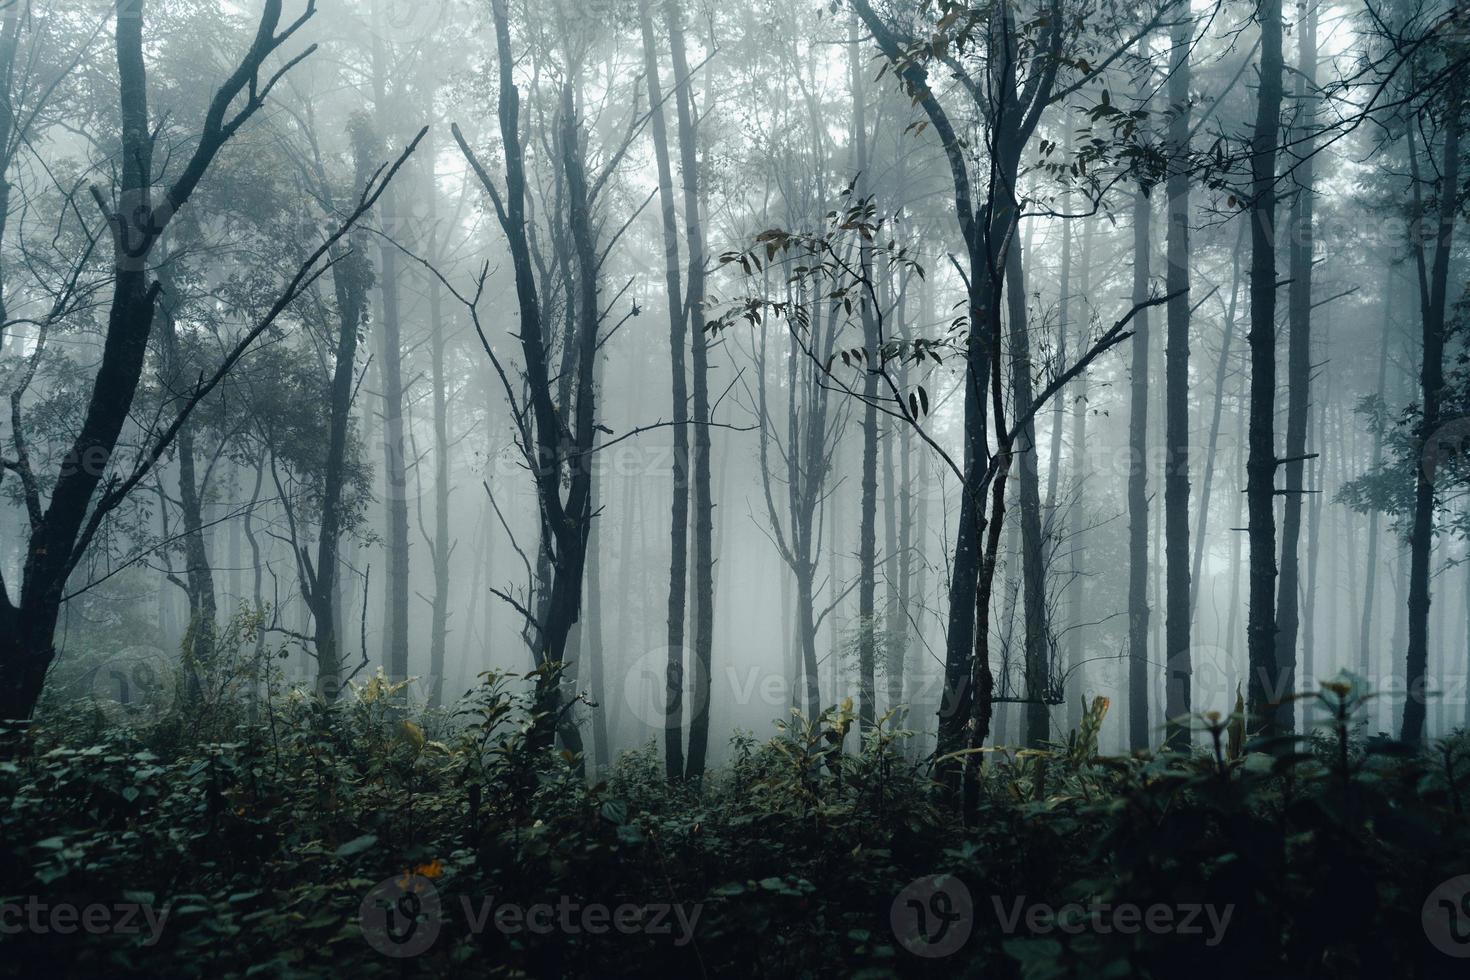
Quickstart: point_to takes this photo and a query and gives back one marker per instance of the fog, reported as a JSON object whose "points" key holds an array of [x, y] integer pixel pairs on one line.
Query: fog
{"points": [[671, 357]]}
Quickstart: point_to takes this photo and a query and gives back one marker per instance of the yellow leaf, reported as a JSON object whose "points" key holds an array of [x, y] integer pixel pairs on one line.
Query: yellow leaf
{"points": [[412, 732]]}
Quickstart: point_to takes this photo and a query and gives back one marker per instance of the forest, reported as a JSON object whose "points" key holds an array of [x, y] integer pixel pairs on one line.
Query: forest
{"points": [[825, 488]]}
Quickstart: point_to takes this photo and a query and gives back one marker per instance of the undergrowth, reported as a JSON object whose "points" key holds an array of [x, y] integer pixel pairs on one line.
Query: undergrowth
{"points": [[262, 828]]}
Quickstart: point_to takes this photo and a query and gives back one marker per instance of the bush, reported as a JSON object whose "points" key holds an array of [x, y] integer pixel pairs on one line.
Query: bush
{"points": [[301, 838]]}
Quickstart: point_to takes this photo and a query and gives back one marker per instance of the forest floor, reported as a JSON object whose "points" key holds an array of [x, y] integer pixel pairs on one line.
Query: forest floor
{"points": [[287, 837]]}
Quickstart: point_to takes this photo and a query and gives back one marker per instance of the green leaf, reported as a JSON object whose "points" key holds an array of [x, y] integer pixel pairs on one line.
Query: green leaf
{"points": [[357, 845]]}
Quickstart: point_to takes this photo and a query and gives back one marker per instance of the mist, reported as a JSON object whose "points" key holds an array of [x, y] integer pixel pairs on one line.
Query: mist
{"points": [[956, 385]]}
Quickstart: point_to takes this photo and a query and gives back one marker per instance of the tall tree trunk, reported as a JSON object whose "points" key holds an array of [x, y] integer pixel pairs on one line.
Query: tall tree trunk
{"points": [[390, 367], [704, 586], [1431, 380], [592, 648], [559, 447], [352, 277], [1059, 400], [1318, 444], [894, 633], [1388, 708], [808, 443], [1222, 367], [442, 546], [961, 636], [1232, 605], [1178, 663], [868, 508], [1033, 546], [1298, 364], [678, 341], [1138, 510], [1012, 586], [1370, 567], [199, 646], [1057, 516], [257, 562], [571, 533], [1078, 462], [1266, 684]]}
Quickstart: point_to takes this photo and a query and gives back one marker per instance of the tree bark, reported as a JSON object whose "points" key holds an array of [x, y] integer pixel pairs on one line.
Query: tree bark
{"points": [[1317, 443], [60, 535], [390, 368], [1033, 545], [1138, 511], [678, 341], [1370, 567], [1078, 462], [1431, 380], [199, 646], [559, 449], [1298, 365], [592, 648], [704, 586], [1178, 662], [1266, 685], [868, 505], [352, 277], [441, 545]]}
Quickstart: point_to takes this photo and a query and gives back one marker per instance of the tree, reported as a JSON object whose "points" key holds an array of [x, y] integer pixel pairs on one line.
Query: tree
{"points": [[1266, 682], [704, 588], [678, 340], [390, 368], [1023, 67], [352, 276], [1434, 284], [1298, 355], [1177, 611], [868, 506], [556, 440], [1138, 512], [62, 530]]}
